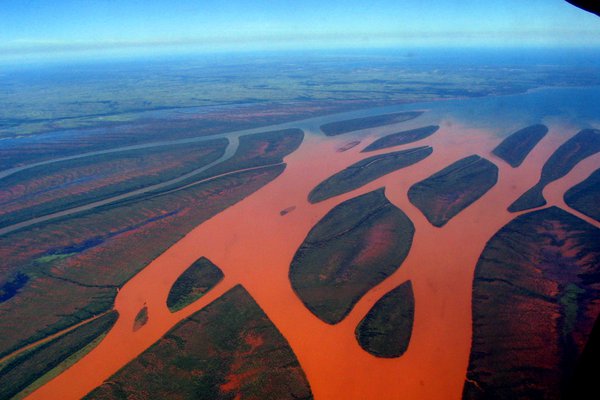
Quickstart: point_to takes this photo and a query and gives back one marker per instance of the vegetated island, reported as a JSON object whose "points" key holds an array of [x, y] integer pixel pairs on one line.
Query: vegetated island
{"points": [[355, 124], [287, 210], [354, 247], [584, 144], [449, 191], [52, 357], [400, 138], [348, 146], [386, 329], [535, 301], [228, 350], [365, 171], [193, 283], [141, 318], [516, 147], [585, 196]]}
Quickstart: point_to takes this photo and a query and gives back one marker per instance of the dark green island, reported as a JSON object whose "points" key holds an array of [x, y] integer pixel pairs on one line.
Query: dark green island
{"points": [[386, 329], [365, 171], [141, 318], [193, 283], [400, 138], [516, 147], [449, 191], [354, 247], [355, 124]]}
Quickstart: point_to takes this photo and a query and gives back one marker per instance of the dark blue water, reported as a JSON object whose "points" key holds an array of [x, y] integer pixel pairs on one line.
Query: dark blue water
{"points": [[579, 107]]}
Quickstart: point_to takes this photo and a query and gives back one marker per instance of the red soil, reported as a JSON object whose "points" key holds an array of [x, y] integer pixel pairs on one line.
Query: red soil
{"points": [[254, 246], [379, 239]]}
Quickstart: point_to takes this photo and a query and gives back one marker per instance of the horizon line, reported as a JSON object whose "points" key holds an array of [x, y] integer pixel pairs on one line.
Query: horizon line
{"points": [[135, 51]]}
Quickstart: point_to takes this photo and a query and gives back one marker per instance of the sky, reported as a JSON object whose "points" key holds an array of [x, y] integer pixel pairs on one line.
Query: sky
{"points": [[44, 28]]}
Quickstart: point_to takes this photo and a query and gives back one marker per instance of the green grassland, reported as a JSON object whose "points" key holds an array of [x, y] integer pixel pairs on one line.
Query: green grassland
{"points": [[113, 93]]}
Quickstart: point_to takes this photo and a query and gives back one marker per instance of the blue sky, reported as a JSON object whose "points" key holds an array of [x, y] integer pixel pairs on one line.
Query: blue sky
{"points": [[52, 28]]}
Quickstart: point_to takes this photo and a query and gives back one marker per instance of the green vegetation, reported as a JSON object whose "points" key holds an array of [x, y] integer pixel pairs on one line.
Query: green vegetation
{"points": [[107, 247], [584, 144], [67, 269], [193, 283], [178, 125], [63, 366], [449, 191], [229, 349], [59, 273], [365, 171], [400, 138], [386, 329], [251, 91], [517, 146], [28, 367], [585, 197], [535, 302], [67, 184], [355, 124], [352, 249]]}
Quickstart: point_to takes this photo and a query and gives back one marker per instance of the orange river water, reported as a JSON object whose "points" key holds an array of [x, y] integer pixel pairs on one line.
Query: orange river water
{"points": [[254, 245]]}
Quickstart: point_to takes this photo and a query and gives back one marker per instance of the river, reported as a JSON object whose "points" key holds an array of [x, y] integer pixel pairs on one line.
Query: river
{"points": [[254, 245]]}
